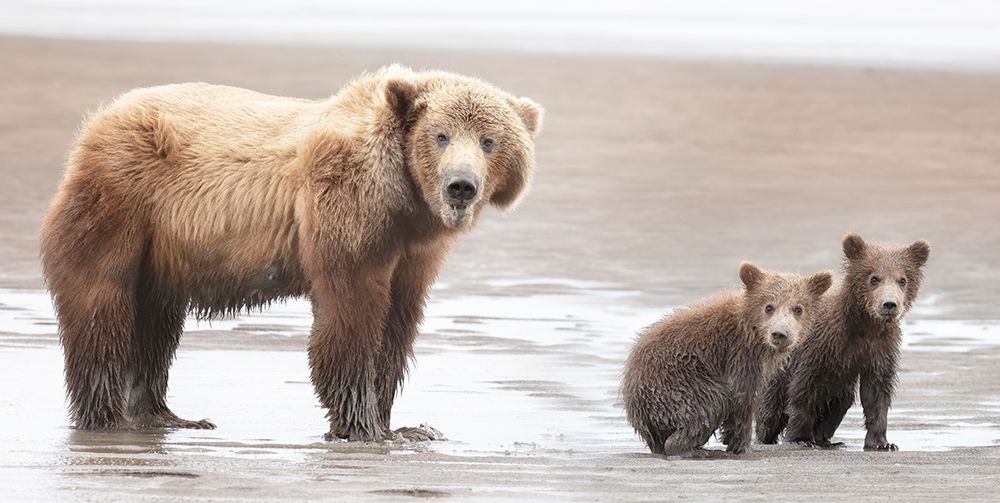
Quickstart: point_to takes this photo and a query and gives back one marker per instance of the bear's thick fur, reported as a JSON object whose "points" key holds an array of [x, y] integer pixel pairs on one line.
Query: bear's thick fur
{"points": [[214, 199], [856, 338], [700, 368]]}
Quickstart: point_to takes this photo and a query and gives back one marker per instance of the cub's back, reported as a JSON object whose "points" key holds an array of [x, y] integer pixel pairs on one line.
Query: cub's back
{"points": [[703, 331]]}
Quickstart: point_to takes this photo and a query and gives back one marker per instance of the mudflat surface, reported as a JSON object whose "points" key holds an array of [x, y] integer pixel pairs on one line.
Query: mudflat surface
{"points": [[655, 178]]}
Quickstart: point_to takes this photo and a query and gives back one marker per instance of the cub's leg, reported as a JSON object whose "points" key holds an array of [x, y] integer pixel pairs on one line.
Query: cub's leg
{"points": [[829, 420], [771, 416], [687, 439], [706, 403], [877, 387], [737, 429], [801, 424]]}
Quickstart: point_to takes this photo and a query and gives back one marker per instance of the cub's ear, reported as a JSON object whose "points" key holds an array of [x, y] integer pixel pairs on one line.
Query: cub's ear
{"points": [[919, 252], [531, 114], [401, 97], [751, 275], [854, 246], [819, 283]]}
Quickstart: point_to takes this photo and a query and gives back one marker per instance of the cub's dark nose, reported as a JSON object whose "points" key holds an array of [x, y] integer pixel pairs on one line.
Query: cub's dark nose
{"points": [[889, 306], [462, 188], [779, 337]]}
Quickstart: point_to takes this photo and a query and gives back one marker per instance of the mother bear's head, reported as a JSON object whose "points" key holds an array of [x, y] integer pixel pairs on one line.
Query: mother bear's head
{"points": [[466, 142]]}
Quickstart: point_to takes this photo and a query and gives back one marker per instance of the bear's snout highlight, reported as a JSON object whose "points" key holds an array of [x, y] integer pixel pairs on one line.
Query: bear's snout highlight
{"points": [[888, 300], [460, 191], [782, 332], [463, 172]]}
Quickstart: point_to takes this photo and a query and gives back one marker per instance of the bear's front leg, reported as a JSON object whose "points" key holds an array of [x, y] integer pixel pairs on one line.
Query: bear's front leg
{"points": [[877, 387], [349, 313], [411, 280], [737, 429]]}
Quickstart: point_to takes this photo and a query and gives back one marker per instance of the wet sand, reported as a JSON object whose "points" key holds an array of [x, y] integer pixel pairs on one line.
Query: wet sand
{"points": [[655, 178]]}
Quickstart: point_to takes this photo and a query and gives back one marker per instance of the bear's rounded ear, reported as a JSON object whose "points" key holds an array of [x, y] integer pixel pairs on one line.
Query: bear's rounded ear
{"points": [[400, 96], [531, 114], [919, 252], [751, 275], [819, 283], [854, 246], [507, 196]]}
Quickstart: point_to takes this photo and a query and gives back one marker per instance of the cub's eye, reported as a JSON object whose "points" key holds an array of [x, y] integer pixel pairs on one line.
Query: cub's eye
{"points": [[797, 310], [902, 281], [442, 140], [874, 281], [769, 309], [487, 144]]}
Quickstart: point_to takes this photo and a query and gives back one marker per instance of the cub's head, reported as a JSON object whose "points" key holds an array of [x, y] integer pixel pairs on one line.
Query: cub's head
{"points": [[468, 143], [883, 280], [780, 307]]}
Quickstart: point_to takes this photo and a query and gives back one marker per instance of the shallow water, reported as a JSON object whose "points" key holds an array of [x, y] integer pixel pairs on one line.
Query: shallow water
{"points": [[499, 375]]}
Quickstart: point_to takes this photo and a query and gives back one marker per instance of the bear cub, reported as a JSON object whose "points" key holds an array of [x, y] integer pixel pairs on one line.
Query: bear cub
{"points": [[856, 338], [699, 368]]}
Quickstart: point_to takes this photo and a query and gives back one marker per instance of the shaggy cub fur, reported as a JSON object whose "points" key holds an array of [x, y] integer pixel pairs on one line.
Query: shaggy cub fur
{"points": [[700, 368], [855, 338]]}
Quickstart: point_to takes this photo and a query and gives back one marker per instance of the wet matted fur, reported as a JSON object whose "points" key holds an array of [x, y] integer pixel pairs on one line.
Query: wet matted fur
{"points": [[700, 368], [212, 199], [856, 339]]}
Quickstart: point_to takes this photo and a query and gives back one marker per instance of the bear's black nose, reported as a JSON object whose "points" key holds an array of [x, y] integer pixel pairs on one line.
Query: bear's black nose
{"points": [[462, 188], [779, 336], [889, 306]]}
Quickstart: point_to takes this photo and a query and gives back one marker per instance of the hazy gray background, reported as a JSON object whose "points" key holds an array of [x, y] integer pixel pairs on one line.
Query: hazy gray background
{"points": [[963, 33]]}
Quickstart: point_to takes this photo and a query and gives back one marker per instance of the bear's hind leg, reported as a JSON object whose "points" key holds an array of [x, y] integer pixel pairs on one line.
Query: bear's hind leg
{"points": [[686, 440], [95, 328], [159, 323]]}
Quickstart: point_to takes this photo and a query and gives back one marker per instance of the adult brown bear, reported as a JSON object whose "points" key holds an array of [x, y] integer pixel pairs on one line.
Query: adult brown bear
{"points": [[194, 197]]}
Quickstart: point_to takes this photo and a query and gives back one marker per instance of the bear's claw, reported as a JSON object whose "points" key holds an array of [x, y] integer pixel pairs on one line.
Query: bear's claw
{"points": [[422, 433], [826, 444], [172, 421], [882, 447]]}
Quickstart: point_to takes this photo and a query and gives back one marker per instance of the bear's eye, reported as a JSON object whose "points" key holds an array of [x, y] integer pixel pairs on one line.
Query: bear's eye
{"points": [[874, 281], [487, 144], [769, 309], [442, 140], [902, 281], [797, 310]]}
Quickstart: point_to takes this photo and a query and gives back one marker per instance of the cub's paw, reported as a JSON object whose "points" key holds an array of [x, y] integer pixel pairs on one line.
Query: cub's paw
{"points": [[802, 442], [881, 446], [737, 447], [422, 433]]}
